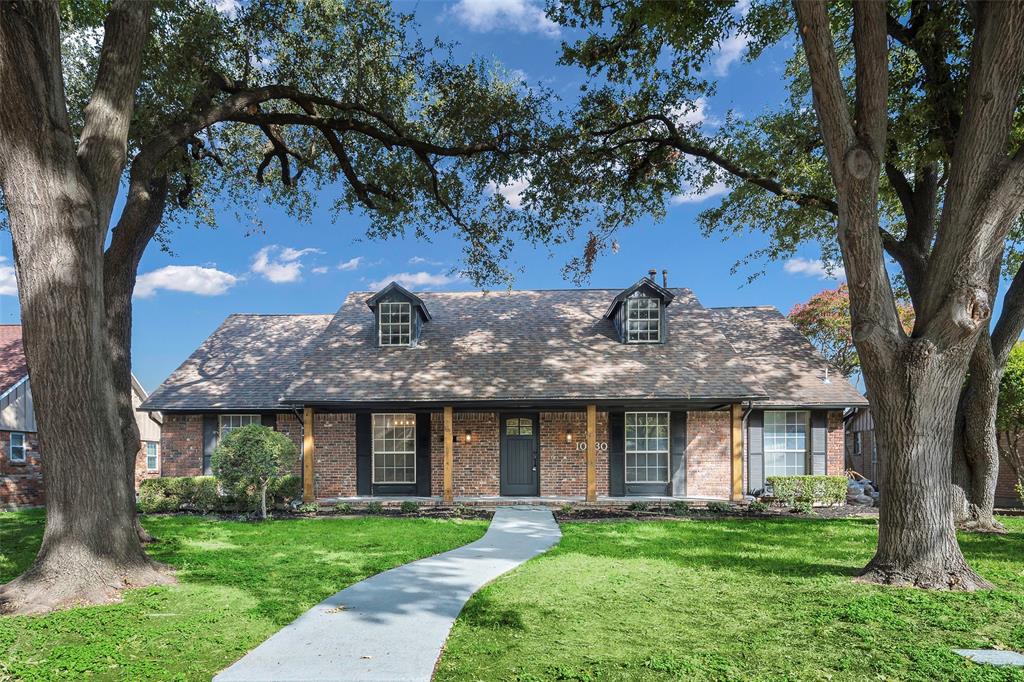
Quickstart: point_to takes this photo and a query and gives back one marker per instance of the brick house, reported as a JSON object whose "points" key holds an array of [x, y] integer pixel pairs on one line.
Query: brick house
{"points": [[22, 463], [564, 394]]}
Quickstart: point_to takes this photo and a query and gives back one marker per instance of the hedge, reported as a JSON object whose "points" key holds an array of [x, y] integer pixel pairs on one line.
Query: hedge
{"points": [[818, 490], [202, 494]]}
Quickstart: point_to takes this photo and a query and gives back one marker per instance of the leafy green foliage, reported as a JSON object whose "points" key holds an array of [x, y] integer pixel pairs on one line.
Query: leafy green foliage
{"points": [[375, 508], [639, 506], [410, 507], [238, 583], [249, 458], [825, 320], [719, 507], [181, 493], [757, 507], [1010, 411], [679, 507], [732, 599], [343, 508], [793, 491]]}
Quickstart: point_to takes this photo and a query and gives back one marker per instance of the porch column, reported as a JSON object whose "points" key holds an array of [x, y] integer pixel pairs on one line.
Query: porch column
{"points": [[737, 452], [449, 454], [591, 453], [308, 492]]}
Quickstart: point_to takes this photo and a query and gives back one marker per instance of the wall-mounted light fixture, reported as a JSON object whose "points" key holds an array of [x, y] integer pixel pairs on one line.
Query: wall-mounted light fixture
{"points": [[568, 436], [469, 436]]}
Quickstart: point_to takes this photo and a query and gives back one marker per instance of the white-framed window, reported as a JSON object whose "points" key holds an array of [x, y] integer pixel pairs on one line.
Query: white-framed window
{"points": [[647, 439], [785, 442], [152, 455], [394, 448], [16, 452], [234, 421], [643, 320], [395, 326]]}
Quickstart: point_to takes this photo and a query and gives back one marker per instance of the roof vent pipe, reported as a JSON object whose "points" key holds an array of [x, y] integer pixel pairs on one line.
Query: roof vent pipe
{"points": [[652, 273], [664, 278], [827, 380]]}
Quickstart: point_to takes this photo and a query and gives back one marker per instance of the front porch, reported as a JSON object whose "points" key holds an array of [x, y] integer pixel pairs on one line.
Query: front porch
{"points": [[493, 501]]}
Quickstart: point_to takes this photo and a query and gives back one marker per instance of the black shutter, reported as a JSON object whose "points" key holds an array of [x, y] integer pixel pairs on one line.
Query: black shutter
{"points": [[269, 420], [209, 441], [616, 454], [677, 453], [755, 450], [423, 454], [819, 442], [364, 436]]}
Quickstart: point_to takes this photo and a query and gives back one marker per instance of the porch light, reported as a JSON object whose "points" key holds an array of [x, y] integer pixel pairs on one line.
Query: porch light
{"points": [[568, 436], [469, 436]]}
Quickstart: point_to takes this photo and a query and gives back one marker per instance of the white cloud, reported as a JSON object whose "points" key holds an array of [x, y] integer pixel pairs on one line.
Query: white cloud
{"points": [[319, 270], [689, 196], [416, 280], [8, 283], [525, 16], [420, 260], [228, 7], [513, 191], [809, 267], [729, 51], [351, 264], [694, 115], [191, 279], [280, 265]]}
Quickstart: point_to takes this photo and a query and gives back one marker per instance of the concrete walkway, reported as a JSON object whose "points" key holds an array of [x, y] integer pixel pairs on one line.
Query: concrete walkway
{"points": [[392, 626]]}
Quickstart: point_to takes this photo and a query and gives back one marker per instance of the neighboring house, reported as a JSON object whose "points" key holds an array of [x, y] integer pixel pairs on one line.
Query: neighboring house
{"points": [[865, 457], [21, 458], [556, 394]]}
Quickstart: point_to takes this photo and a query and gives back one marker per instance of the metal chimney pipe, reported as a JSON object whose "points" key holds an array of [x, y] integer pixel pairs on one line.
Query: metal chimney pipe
{"points": [[664, 278], [652, 273]]}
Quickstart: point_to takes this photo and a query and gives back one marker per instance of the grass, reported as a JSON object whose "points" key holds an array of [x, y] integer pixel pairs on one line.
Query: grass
{"points": [[732, 600], [239, 583]]}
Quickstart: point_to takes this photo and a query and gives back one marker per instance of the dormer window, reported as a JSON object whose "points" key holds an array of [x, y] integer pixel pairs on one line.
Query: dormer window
{"points": [[643, 320], [638, 312], [400, 316], [395, 324]]}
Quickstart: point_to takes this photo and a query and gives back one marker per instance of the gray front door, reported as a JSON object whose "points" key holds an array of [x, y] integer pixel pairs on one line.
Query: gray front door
{"points": [[519, 455]]}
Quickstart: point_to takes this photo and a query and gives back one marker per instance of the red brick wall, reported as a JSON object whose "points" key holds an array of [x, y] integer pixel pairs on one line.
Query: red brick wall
{"points": [[21, 484], [835, 445], [475, 469], [181, 445], [334, 442], [708, 454], [563, 467], [142, 472], [291, 426], [1006, 496]]}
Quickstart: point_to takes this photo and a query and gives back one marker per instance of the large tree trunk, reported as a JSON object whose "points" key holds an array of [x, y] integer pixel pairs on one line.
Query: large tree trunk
{"points": [[59, 200], [913, 405], [975, 446]]}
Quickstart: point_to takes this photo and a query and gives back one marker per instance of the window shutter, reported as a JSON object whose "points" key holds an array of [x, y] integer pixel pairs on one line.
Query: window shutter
{"points": [[677, 453], [269, 420], [364, 436], [423, 454], [755, 450], [616, 454], [819, 442], [209, 441]]}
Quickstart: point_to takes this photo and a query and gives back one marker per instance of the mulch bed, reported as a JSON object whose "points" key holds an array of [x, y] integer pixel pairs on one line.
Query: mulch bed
{"points": [[700, 514]]}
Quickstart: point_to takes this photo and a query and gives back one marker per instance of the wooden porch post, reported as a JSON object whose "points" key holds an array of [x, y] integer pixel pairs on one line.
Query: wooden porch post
{"points": [[737, 452], [591, 453], [449, 454], [308, 491]]}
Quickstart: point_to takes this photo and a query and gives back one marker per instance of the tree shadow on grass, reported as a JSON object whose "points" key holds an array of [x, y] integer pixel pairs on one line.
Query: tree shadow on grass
{"points": [[20, 535]]}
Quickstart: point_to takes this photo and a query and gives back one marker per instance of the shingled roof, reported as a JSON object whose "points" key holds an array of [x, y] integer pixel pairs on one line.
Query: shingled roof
{"points": [[516, 346], [245, 364], [13, 365], [783, 360]]}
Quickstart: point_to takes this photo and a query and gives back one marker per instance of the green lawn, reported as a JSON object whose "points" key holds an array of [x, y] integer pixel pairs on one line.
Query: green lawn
{"points": [[732, 600], [239, 583]]}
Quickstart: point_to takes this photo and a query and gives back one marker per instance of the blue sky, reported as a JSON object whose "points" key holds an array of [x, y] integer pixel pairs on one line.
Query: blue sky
{"points": [[299, 268]]}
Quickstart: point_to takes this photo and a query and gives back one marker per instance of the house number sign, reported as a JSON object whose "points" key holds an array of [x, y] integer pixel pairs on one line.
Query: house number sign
{"points": [[599, 446]]}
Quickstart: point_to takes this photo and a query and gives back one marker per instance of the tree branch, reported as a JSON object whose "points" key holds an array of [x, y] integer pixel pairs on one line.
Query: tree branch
{"points": [[102, 149]]}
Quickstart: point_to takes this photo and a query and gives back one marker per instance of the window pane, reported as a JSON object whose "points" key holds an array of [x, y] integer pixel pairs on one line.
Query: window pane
{"points": [[785, 443], [647, 447], [395, 321], [394, 448], [643, 319]]}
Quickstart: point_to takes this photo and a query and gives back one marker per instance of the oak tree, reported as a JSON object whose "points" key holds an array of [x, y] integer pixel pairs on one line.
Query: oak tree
{"points": [[120, 119]]}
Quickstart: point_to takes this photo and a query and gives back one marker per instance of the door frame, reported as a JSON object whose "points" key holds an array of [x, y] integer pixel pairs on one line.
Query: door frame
{"points": [[502, 416]]}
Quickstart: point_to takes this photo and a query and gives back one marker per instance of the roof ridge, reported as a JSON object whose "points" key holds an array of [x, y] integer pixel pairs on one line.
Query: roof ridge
{"points": [[280, 314], [516, 291], [743, 307]]}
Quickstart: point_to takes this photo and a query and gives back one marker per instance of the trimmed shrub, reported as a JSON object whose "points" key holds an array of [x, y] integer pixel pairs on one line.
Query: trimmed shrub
{"points": [[639, 506], [285, 489], [410, 507], [720, 507], [251, 458], [175, 493], [680, 507], [343, 508], [808, 490], [757, 507], [308, 508], [375, 508], [1019, 487]]}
